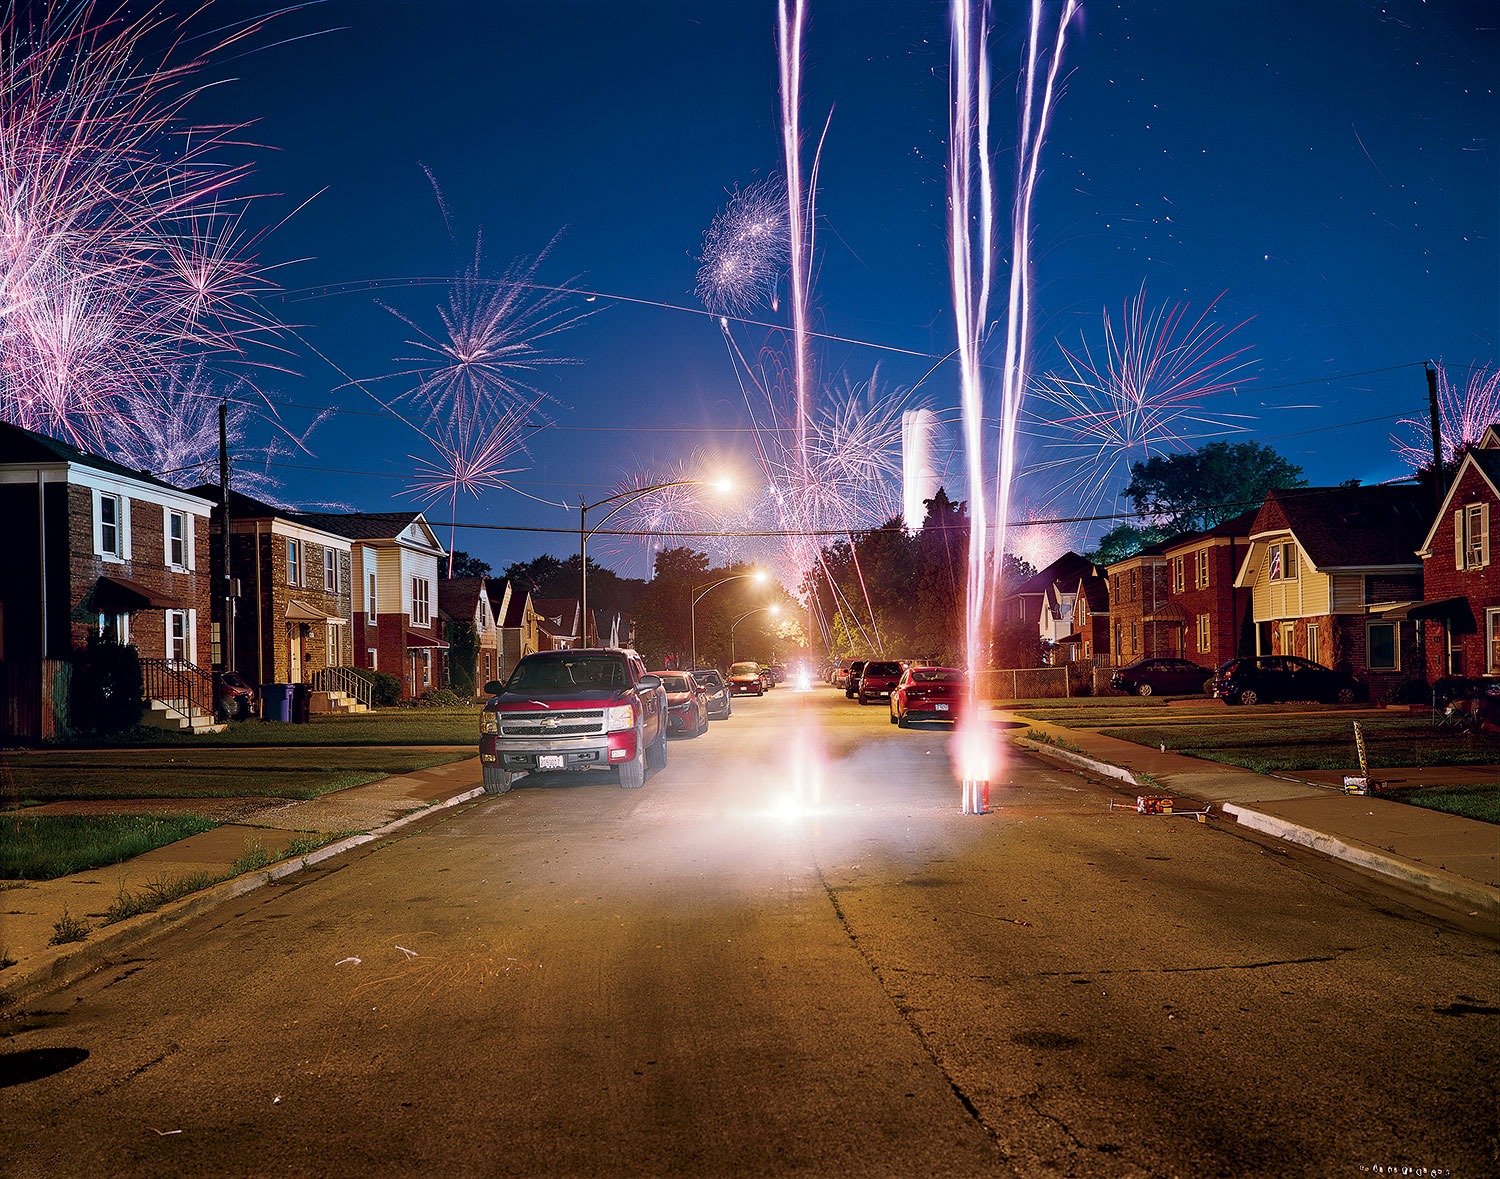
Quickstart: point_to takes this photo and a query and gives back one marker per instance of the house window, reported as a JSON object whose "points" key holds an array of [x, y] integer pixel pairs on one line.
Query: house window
{"points": [[372, 656], [1179, 582], [1492, 642], [330, 571], [421, 613], [115, 628], [1283, 562], [1312, 642], [294, 562], [1471, 529], [109, 526], [215, 645], [426, 668], [1202, 579], [177, 636], [1383, 653], [333, 655], [1204, 633], [177, 541], [370, 601]]}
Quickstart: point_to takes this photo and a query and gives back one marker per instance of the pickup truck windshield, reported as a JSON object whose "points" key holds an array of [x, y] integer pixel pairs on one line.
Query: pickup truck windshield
{"points": [[567, 675]]}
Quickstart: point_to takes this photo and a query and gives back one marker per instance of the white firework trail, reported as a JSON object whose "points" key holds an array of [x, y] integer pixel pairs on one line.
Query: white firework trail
{"points": [[1465, 412]]}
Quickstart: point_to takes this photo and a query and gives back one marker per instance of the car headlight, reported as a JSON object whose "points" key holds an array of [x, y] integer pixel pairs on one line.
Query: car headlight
{"points": [[618, 717], [489, 722]]}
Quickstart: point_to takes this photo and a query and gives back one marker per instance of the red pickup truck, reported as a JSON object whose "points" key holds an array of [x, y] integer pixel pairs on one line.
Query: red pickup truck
{"points": [[588, 709]]}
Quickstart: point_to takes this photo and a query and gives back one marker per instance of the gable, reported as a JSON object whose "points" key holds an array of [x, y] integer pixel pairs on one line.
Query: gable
{"points": [[1476, 481]]}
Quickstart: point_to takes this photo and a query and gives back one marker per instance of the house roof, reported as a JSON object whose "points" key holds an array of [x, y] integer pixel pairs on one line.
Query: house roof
{"points": [[515, 612], [364, 525], [247, 507], [26, 447], [1487, 463], [1349, 527], [1095, 592], [1241, 525], [458, 597], [1066, 570]]}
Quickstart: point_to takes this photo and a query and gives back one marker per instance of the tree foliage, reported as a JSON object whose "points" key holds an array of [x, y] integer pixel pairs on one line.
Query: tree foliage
{"points": [[464, 565], [547, 576], [1196, 490]]}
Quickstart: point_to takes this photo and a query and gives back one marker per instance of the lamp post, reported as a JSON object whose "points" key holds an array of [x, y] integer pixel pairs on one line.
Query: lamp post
{"points": [[584, 532], [741, 618], [757, 574]]}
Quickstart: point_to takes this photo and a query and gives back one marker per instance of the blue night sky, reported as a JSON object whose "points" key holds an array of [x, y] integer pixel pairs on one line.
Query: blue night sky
{"points": [[1328, 171]]}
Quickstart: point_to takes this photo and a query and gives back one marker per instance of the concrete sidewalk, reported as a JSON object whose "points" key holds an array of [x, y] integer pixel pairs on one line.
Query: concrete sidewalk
{"points": [[1448, 856], [30, 912]]}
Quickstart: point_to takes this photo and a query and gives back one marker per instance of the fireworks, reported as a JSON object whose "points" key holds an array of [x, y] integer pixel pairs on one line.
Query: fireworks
{"points": [[1463, 415], [745, 251], [120, 253], [1141, 392]]}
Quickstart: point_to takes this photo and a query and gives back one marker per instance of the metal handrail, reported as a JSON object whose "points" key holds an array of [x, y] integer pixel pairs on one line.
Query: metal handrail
{"points": [[172, 680], [343, 679]]}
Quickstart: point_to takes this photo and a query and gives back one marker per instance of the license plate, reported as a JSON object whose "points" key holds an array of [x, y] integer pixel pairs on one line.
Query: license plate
{"points": [[940, 708], [549, 761]]}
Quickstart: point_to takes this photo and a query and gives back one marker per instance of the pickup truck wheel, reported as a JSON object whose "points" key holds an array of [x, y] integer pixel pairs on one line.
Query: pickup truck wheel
{"points": [[497, 781], [633, 773], [656, 752]]}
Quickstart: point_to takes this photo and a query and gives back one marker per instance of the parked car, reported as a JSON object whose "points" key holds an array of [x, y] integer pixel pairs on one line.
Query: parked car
{"points": [[928, 693], [851, 680], [778, 672], [766, 676], [877, 680], [1264, 678], [1161, 677], [745, 679], [687, 704], [236, 697], [716, 688]]}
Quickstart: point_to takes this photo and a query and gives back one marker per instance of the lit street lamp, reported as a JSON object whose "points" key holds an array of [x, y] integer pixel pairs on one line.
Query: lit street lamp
{"points": [[584, 532], [757, 574], [759, 610]]}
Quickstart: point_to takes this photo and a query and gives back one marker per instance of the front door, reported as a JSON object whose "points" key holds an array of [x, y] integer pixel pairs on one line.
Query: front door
{"points": [[294, 673]]}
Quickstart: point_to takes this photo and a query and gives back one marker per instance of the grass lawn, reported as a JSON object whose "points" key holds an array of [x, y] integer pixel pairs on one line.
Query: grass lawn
{"points": [[1472, 802], [384, 726], [44, 847], [202, 772]]}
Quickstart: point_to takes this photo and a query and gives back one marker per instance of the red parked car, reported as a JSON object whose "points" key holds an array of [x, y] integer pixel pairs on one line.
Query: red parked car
{"points": [[928, 694], [687, 704], [878, 680]]}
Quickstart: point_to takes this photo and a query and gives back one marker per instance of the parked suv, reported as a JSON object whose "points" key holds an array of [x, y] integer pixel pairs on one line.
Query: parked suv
{"points": [[593, 708], [1265, 678], [851, 681], [877, 680]]}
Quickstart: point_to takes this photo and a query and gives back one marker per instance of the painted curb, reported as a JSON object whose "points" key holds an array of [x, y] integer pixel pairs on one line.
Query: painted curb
{"points": [[1079, 760], [67, 964], [1479, 897]]}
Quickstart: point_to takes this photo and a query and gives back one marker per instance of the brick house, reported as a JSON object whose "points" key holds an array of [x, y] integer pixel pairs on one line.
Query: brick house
{"points": [[1332, 572], [559, 623], [1028, 601], [394, 559], [1210, 616], [1460, 582], [466, 600], [97, 548], [1144, 622], [1091, 617], [293, 613]]}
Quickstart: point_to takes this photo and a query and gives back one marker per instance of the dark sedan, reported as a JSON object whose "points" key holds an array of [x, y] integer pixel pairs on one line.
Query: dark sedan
{"points": [[1266, 678], [1161, 677], [717, 689]]}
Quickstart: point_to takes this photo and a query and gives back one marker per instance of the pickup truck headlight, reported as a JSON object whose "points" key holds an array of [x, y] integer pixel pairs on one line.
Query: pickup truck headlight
{"points": [[618, 717], [489, 722]]}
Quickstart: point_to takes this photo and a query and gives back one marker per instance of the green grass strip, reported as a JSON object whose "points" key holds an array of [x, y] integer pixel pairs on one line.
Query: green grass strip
{"points": [[44, 847]]}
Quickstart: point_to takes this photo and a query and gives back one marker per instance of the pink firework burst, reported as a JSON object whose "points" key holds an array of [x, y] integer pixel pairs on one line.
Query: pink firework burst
{"points": [[1138, 393], [1465, 412], [745, 251]]}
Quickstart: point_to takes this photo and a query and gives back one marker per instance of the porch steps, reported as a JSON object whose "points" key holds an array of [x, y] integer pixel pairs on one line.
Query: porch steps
{"points": [[178, 716], [335, 702]]}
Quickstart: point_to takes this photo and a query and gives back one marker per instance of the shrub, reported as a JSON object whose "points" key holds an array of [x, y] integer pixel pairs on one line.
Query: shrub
{"points": [[385, 689], [1410, 689], [107, 691], [441, 698]]}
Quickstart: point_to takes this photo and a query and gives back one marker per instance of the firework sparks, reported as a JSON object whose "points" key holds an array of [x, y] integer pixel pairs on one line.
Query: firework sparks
{"points": [[745, 251], [1140, 392], [1464, 413]]}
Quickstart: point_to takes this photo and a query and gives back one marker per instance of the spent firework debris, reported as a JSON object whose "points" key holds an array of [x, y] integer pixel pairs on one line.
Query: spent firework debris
{"points": [[745, 251], [120, 249], [1465, 412], [1140, 391]]}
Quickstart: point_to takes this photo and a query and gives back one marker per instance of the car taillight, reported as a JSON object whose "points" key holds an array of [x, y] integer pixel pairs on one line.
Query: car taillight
{"points": [[618, 717], [489, 722]]}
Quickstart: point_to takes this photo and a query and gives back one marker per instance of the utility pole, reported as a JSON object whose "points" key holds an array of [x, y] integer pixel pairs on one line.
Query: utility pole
{"points": [[1439, 482], [226, 631]]}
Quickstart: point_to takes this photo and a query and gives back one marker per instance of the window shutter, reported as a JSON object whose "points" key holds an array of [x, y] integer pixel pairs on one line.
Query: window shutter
{"points": [[1484, 535], [189, 523], [98, 524], [1458, 539]]}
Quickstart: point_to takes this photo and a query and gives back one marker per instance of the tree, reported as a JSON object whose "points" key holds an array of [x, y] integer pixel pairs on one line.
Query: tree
{"points": [[461, 564], [1125, 540], [1194, 491], [942, 580]]}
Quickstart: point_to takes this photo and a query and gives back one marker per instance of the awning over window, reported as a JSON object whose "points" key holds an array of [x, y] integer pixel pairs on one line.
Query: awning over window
{"points": [[1075, 637], [1456, 612], [300, 611], [1171, 612], [121, 595], [415, 640]]}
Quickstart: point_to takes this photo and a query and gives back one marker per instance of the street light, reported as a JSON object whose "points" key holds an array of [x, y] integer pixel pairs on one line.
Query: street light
{"points": [[757, 574], [741, 618], [584, 532]]}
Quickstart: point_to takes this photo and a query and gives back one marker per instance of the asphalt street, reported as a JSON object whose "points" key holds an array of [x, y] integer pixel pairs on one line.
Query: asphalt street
{"points": [[788, 954]]}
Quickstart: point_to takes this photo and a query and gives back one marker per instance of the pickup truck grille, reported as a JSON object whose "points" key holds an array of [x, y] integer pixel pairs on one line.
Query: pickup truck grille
{"points": [[552, 724]]}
